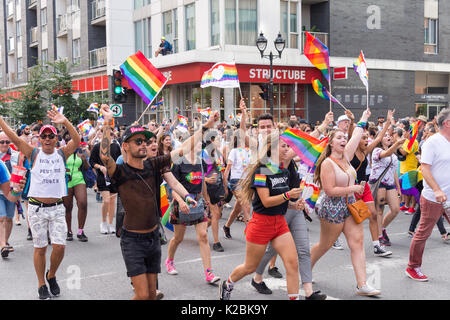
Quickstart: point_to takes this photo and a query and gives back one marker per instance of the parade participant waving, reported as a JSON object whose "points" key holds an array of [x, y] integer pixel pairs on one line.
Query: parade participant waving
{"points": [[47, 187], [138, 183]]}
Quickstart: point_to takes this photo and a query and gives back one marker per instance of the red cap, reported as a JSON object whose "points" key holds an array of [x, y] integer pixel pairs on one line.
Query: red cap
{"points": [[48, 126]]}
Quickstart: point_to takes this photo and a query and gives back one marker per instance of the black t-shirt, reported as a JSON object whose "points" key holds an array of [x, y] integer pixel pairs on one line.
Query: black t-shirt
{"points": [[190, 175], [277, 183], [95, 159], [361, 173]]}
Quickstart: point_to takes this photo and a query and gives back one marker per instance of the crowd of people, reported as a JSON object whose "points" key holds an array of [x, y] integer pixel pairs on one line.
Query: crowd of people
{"points": [[202, 169]]}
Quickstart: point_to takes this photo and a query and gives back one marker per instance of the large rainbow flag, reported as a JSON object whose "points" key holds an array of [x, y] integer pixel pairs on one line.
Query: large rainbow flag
{"points": [[318, 54], [165, 208], [222, 75], [143, 77], [413, 135], [306, 147]]}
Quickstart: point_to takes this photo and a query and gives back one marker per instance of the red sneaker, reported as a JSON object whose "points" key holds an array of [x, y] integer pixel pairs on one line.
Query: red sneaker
{"points": [[416, 274], [411, 210], [404, 208]]}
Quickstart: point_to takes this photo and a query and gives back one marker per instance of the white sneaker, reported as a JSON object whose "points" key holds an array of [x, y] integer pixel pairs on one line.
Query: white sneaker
{"points": [[103, 228], [367, 290], [337, 245], [111, 228], [380, 251]]}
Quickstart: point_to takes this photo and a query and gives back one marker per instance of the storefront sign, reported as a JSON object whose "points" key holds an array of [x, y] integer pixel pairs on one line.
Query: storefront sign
{"points": [[340, 73]]}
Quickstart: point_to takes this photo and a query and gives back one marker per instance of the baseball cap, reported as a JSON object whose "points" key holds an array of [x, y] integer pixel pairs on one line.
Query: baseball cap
{"points": [[49, 127], [23, 126], [134, 130], [163, 38], [422, 118], [342, 118]]}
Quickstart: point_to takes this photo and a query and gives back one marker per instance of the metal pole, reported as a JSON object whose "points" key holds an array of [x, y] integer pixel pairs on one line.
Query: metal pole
{"points": [[271, 83]]}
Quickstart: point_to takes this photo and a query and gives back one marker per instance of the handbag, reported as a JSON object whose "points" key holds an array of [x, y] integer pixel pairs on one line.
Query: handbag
{"points": [[359, 210], [197, 212], [89, 177], [374, 186]]}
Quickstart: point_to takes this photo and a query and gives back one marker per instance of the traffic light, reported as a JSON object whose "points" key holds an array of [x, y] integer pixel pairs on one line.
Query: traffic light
{"points": [[119, 92], [265, 91]]}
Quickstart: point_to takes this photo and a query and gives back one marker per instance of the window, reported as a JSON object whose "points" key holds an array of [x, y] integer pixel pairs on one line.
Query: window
{"points": [[44, 56], [141, 3], [76, 51], [431, 26], [170, 28], [19, 68], [289, 23], [19, 31], [75, 4], [190, 26], [245, 17], [215, 23], [142, 37], [44, 20]]}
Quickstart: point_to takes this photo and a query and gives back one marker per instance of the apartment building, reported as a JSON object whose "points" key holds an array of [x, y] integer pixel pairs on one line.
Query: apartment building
{"points": [[404, 41]]}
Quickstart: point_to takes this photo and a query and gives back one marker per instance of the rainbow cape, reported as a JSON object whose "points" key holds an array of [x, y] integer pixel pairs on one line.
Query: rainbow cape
{"points": [[143, 77], [222, 75], [360, 67], [165, 208], [318, 54], [306, 147], [413, 135]]}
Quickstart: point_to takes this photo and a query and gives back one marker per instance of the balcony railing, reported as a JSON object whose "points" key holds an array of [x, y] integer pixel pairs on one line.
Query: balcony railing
{"points": [[34, 36], [322, 36], [98, 9], [61, 24], [97, 58]]}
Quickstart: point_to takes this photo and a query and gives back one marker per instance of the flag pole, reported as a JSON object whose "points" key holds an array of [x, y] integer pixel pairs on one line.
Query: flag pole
{"points": [[138, 120], [331, 102], [367, 97]]}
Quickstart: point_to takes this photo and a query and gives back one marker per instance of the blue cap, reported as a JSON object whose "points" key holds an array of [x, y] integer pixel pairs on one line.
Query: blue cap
{"points": [[23, 126]]}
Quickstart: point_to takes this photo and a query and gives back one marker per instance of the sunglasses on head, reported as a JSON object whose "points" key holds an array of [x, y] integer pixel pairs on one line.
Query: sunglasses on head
{"points": [[50, 136], [140, 141], [5, 142]]}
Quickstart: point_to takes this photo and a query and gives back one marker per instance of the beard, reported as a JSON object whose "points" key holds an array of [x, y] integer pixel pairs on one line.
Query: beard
{"points": [[139, 154]]}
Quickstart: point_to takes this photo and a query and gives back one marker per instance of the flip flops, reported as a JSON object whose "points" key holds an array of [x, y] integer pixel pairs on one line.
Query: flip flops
{"points": [[5, 252]]}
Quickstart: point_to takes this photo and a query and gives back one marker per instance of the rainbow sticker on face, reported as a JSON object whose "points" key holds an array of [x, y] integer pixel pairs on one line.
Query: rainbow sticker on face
{"points": [[194, 177], [260, 180]]}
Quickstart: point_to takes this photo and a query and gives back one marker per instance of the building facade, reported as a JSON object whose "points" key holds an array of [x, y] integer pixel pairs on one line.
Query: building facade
{"points": [[405, 44]]}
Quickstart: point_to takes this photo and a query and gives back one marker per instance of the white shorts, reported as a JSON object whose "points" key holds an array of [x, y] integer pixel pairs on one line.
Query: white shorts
{"points": [[47, 220]]}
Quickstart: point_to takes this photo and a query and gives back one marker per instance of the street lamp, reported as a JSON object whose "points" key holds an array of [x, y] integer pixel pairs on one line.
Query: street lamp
{"points": [[261, 44]]}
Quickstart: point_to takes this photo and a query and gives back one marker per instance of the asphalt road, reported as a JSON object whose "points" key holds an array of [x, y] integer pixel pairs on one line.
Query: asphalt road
{"points": [[95, 270]]}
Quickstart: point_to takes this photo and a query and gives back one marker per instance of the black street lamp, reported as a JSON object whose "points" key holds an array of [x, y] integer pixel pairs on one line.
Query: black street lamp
{"points": [[261, 44]]}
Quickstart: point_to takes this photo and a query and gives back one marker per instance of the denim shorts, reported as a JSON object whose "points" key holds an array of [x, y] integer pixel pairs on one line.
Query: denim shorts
{"points": [[141, 252], [7, 208], [233, 184]]}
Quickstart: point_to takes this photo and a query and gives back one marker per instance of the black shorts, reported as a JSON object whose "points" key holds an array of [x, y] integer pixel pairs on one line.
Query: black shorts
{"points": [[141, 252], [216, 192]]}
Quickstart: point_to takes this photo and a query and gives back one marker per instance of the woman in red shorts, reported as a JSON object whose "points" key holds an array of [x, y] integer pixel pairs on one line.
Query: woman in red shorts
{"points": [[360, 163], [267, 183]]}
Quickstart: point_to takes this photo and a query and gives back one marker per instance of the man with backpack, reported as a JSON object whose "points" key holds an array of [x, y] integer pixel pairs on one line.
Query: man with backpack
{"points": [[164, 47], [46, 188]]}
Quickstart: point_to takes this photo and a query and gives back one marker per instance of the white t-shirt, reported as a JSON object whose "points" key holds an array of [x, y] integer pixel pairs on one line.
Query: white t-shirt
{"points": [[240, 159], [436, 152]]}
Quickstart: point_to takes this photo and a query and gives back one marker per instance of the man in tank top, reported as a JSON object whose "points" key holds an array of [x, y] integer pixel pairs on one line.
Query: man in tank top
{"points": [[47, 186]]}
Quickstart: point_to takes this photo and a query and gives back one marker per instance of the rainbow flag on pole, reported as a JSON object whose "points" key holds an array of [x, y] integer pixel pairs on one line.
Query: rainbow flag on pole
{"points": [[183, 125], [85, 127], [165, 208], [204, 112], [143, 77], [306, 147], [318, 54], [222, 75], [55, 108], [310, 192], [94, 108], [413, 135], [322, 91], [360, 67]]}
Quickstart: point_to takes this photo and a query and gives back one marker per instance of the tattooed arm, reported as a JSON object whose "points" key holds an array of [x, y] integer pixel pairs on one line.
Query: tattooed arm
{"points": [[105, 144]]}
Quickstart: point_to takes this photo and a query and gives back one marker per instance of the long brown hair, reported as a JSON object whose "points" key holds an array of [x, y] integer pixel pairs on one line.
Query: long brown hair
{"points": [[161, 146], [325, 154]]}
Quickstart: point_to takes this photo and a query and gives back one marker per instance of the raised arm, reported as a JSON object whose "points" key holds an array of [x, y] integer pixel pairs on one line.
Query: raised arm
{"points": [[351, 146], [105, 145], [380, 136], [74, 143], [21, 144], [392, 149], [329, 118]]}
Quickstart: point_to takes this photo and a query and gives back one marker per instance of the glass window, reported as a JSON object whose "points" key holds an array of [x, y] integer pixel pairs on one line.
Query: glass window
{"points": [[190, 27], [44, 56], [293, 43], [138, 43], [288, 19], [247, 22], [138, 4], [284, 19], [19, 68], [230, 21], [170, 28], [76, 51], [44, 20], [215, 23]]}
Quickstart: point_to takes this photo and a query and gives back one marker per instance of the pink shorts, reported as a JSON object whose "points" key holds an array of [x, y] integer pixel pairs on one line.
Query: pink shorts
{"points": [[366, 196], [262, 229]]}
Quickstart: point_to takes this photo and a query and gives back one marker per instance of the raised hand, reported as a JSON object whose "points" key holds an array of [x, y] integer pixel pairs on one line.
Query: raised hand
{"points": [[56, 117], [107, 113]]}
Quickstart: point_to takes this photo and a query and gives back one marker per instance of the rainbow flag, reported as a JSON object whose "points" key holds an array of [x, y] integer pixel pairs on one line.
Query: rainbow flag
{"points": [[160, 102], [260, 180], [360, 67], [94, 108], [318, 54], [222, 75], [183, 125], [323, 91], [204, 112], [239, 117], [410, 179], [143, 77], [413, 135], [165, 208], [85, 127], [306, 188], [55, 108], [305, 146]]}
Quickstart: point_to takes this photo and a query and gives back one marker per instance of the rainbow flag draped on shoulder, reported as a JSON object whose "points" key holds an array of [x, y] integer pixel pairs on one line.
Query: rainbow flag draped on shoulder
{"points": [[306, 147], [143, 77]]}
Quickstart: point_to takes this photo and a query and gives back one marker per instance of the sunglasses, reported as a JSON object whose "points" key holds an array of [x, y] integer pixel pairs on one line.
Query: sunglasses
{"points": [[50, 136], [140, 141], [5, 142]]}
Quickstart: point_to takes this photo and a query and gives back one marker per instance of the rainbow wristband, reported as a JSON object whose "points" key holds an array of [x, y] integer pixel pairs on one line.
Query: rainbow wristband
{"points": [[362, 125], [15, 194], [189, 196]]}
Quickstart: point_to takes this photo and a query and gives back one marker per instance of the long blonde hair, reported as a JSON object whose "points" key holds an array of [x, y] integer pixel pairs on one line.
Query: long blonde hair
{"points": [[325, 154]]}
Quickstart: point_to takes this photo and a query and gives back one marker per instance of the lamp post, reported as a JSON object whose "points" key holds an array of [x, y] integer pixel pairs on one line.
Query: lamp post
{"points": [[261, 44]]}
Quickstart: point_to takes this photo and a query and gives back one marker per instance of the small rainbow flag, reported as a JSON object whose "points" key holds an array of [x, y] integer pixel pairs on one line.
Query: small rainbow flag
{"points": [[160, 102], [360, 67], [322, 91], [318, 54], [239, 117], [94, 108], [260, 180], [222, 75], [183, 125], [204, 112], [413, 135], [55, 108], [306, 147], [143, 77], [312, 199], [165, 208], [85, 127]]}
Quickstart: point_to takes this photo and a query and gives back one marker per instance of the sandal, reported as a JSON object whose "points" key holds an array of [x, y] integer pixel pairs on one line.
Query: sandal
{"points": [[411, 234], [10, 247], [240, 218], [445, 237], [5, 252]]}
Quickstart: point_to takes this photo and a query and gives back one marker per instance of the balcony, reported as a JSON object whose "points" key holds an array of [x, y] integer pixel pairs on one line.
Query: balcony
{"points": [[98, 13], [34, 41], [61, 25], [32, 4], [97, 58], [322, 36]]}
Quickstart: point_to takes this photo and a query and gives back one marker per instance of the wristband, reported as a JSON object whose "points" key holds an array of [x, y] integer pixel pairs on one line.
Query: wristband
{"points": [[361, 124], [15, 194], [189, 196]]}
